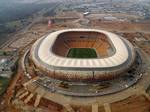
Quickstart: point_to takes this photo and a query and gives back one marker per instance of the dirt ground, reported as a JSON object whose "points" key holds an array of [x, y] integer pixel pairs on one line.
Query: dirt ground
{"points": [[121, 26], [132, 104]]}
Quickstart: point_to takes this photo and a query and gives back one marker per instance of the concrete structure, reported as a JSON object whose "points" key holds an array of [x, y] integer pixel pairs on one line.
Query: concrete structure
{"points": [[115, 55]]}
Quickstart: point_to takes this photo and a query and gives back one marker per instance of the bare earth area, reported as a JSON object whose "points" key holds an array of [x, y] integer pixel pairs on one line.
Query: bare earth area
{"points": [[132, 104]]}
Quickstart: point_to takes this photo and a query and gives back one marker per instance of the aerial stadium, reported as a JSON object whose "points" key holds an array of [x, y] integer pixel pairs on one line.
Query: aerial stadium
{"points": [[84, 62]]}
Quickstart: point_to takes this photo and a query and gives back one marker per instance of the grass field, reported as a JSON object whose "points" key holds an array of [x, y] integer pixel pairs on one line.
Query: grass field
{"points": [[82, 53]]}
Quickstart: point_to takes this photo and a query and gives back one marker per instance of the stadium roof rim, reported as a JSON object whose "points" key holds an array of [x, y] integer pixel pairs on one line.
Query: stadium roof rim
{"points": [[43, 50]]}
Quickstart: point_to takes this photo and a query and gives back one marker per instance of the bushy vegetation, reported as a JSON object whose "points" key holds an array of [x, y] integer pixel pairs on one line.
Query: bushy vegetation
{"points": [[3, 84]]}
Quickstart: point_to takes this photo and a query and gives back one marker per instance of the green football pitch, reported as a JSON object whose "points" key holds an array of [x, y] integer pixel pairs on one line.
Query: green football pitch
{"points": [[82, 53]]}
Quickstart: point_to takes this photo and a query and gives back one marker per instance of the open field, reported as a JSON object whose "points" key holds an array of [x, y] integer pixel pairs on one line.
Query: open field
{"points": [[122, 26]]}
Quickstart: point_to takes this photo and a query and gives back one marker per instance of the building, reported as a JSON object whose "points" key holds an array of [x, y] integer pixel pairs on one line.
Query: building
{"points": [[115, 55]]}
